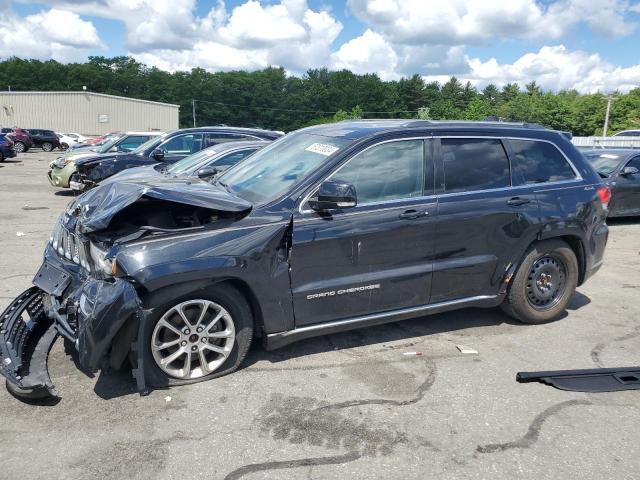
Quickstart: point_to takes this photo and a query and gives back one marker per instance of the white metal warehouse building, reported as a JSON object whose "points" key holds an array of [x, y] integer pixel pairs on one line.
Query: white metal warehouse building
{"points": [[87, 113]]}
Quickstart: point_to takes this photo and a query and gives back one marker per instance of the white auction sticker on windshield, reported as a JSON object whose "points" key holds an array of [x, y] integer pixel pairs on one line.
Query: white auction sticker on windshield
{"points": [[321, 148]]}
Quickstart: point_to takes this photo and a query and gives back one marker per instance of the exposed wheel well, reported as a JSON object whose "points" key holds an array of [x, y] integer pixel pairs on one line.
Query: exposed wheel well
{"points": [[575, 243]]}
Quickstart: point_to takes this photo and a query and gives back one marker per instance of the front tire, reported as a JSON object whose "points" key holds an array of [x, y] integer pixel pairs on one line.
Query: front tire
{"points": [[47, 146], [197, 337], [543, 284], [20, 147]]}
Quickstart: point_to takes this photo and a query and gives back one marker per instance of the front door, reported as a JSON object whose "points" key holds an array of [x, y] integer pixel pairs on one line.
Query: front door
{"points": [[377, 256]]}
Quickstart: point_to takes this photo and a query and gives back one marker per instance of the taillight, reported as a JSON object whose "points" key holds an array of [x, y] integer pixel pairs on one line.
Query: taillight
{"points": [[604, 194]]}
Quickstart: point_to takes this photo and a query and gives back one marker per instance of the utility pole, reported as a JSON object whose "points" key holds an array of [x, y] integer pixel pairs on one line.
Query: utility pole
{"points": [[193, 109], [606, 117]]}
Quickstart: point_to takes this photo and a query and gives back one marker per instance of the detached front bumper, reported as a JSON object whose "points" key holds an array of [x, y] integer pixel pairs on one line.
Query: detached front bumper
{"points": [[87, 311]]}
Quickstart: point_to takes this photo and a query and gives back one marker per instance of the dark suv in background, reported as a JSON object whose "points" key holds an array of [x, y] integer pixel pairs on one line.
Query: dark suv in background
{"points": [[329, 228], [167, 148], [45, 139]]}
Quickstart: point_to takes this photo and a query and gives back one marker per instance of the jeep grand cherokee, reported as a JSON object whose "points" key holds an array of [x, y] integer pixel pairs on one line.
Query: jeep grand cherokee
{"points": [[329, 228]]}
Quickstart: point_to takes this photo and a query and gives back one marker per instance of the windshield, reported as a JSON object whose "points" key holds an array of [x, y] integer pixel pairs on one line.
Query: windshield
{"points": [[603, 163], [193, 161], [106, 146], [152, 142], [270, 172]]}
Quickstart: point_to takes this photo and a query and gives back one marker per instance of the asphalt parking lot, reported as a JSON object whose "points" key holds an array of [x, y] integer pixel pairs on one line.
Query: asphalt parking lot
{"points": [[349, 405]]}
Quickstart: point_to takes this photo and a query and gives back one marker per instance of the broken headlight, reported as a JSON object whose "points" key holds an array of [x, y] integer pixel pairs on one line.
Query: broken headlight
{"points": [[69, 246], [98, 257]]}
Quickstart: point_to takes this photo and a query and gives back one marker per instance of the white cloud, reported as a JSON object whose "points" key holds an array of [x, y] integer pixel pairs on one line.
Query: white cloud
{"points": [[41, 36], [457, 22], [367, 53], [402, 37], [553, 68]]}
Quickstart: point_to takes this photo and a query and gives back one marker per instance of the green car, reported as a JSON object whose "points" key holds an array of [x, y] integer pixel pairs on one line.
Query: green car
{"points": [[63, 169], [61, 176]]}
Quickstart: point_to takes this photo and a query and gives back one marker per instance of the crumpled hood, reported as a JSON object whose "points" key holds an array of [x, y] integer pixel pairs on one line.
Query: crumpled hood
{"points": [[98, 206], [90, 157]]}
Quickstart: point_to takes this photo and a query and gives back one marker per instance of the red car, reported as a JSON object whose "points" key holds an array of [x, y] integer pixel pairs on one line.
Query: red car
{"points": [[21, 138], [97, 140]]}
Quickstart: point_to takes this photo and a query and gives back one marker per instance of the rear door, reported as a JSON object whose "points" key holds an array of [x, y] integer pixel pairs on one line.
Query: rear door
{"points": [[627, 191], [482, 219], [374, 257]]}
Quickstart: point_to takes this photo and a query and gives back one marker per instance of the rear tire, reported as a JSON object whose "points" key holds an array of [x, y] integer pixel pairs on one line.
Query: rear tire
{"points": [[20, 147], [236, 317], [543, 284], [63, 146], [47, 146]]}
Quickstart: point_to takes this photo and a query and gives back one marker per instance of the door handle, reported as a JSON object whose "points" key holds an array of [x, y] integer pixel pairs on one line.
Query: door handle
{"points": [[413, 214], [517, 201]]}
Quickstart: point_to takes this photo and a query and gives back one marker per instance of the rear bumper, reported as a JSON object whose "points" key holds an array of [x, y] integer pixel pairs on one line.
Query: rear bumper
{"points": [[595, 251]]}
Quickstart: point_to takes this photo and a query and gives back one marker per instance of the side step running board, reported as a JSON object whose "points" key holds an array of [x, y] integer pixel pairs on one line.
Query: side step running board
{"points": [[588, 380]]}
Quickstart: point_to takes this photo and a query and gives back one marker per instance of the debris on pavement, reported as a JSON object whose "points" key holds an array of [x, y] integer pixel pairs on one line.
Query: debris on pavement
{"points": [[467, 350]]}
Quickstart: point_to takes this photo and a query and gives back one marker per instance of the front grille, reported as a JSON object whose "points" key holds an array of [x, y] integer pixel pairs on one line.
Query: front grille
{"points": [[69, 246]]}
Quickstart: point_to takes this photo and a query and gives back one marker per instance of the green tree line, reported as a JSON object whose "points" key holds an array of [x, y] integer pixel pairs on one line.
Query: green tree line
{"points": [[272, 99]]}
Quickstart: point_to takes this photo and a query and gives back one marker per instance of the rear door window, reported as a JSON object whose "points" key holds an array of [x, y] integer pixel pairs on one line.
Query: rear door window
{"points": [[538, 162], [183, 144], [132, 142], [474, 164], [216, 138]]}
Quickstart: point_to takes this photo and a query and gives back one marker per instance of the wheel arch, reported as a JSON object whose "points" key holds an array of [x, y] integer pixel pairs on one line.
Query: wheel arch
{"points": [[159, 296], [576, 243]]}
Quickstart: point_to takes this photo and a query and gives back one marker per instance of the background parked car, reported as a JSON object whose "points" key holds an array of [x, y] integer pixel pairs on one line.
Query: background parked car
{"points": [[63, 168], [103, 138], [620, 170], [94, 144], [45, 139], [168, 148], [21, 138], [205, 164], [78, 138], [628, 133], [6, 147], [66, 141]]}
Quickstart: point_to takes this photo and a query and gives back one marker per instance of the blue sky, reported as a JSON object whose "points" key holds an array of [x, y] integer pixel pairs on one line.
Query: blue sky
{"points": [[584, 44]]}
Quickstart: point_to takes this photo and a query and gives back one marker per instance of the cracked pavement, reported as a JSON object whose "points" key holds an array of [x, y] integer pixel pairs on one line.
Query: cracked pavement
{"points": [[349, 405]]}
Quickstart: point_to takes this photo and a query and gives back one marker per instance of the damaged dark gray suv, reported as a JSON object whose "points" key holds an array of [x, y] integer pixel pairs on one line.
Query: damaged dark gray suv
{"points": [[329, 228]]}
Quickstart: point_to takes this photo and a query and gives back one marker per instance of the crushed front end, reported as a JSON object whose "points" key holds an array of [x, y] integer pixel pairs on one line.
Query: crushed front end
{"points": [[74, 297], [84, 294]]}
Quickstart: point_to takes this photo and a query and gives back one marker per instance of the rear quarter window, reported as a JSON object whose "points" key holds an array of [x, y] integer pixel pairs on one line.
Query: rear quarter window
{"points": [[538, 162], [474, 164]]}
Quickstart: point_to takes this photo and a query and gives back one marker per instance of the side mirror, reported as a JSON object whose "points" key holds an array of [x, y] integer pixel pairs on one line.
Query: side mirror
{"points": [[334, 194], [629, 171], [158, 154], [207, 172], [114, 149]]}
